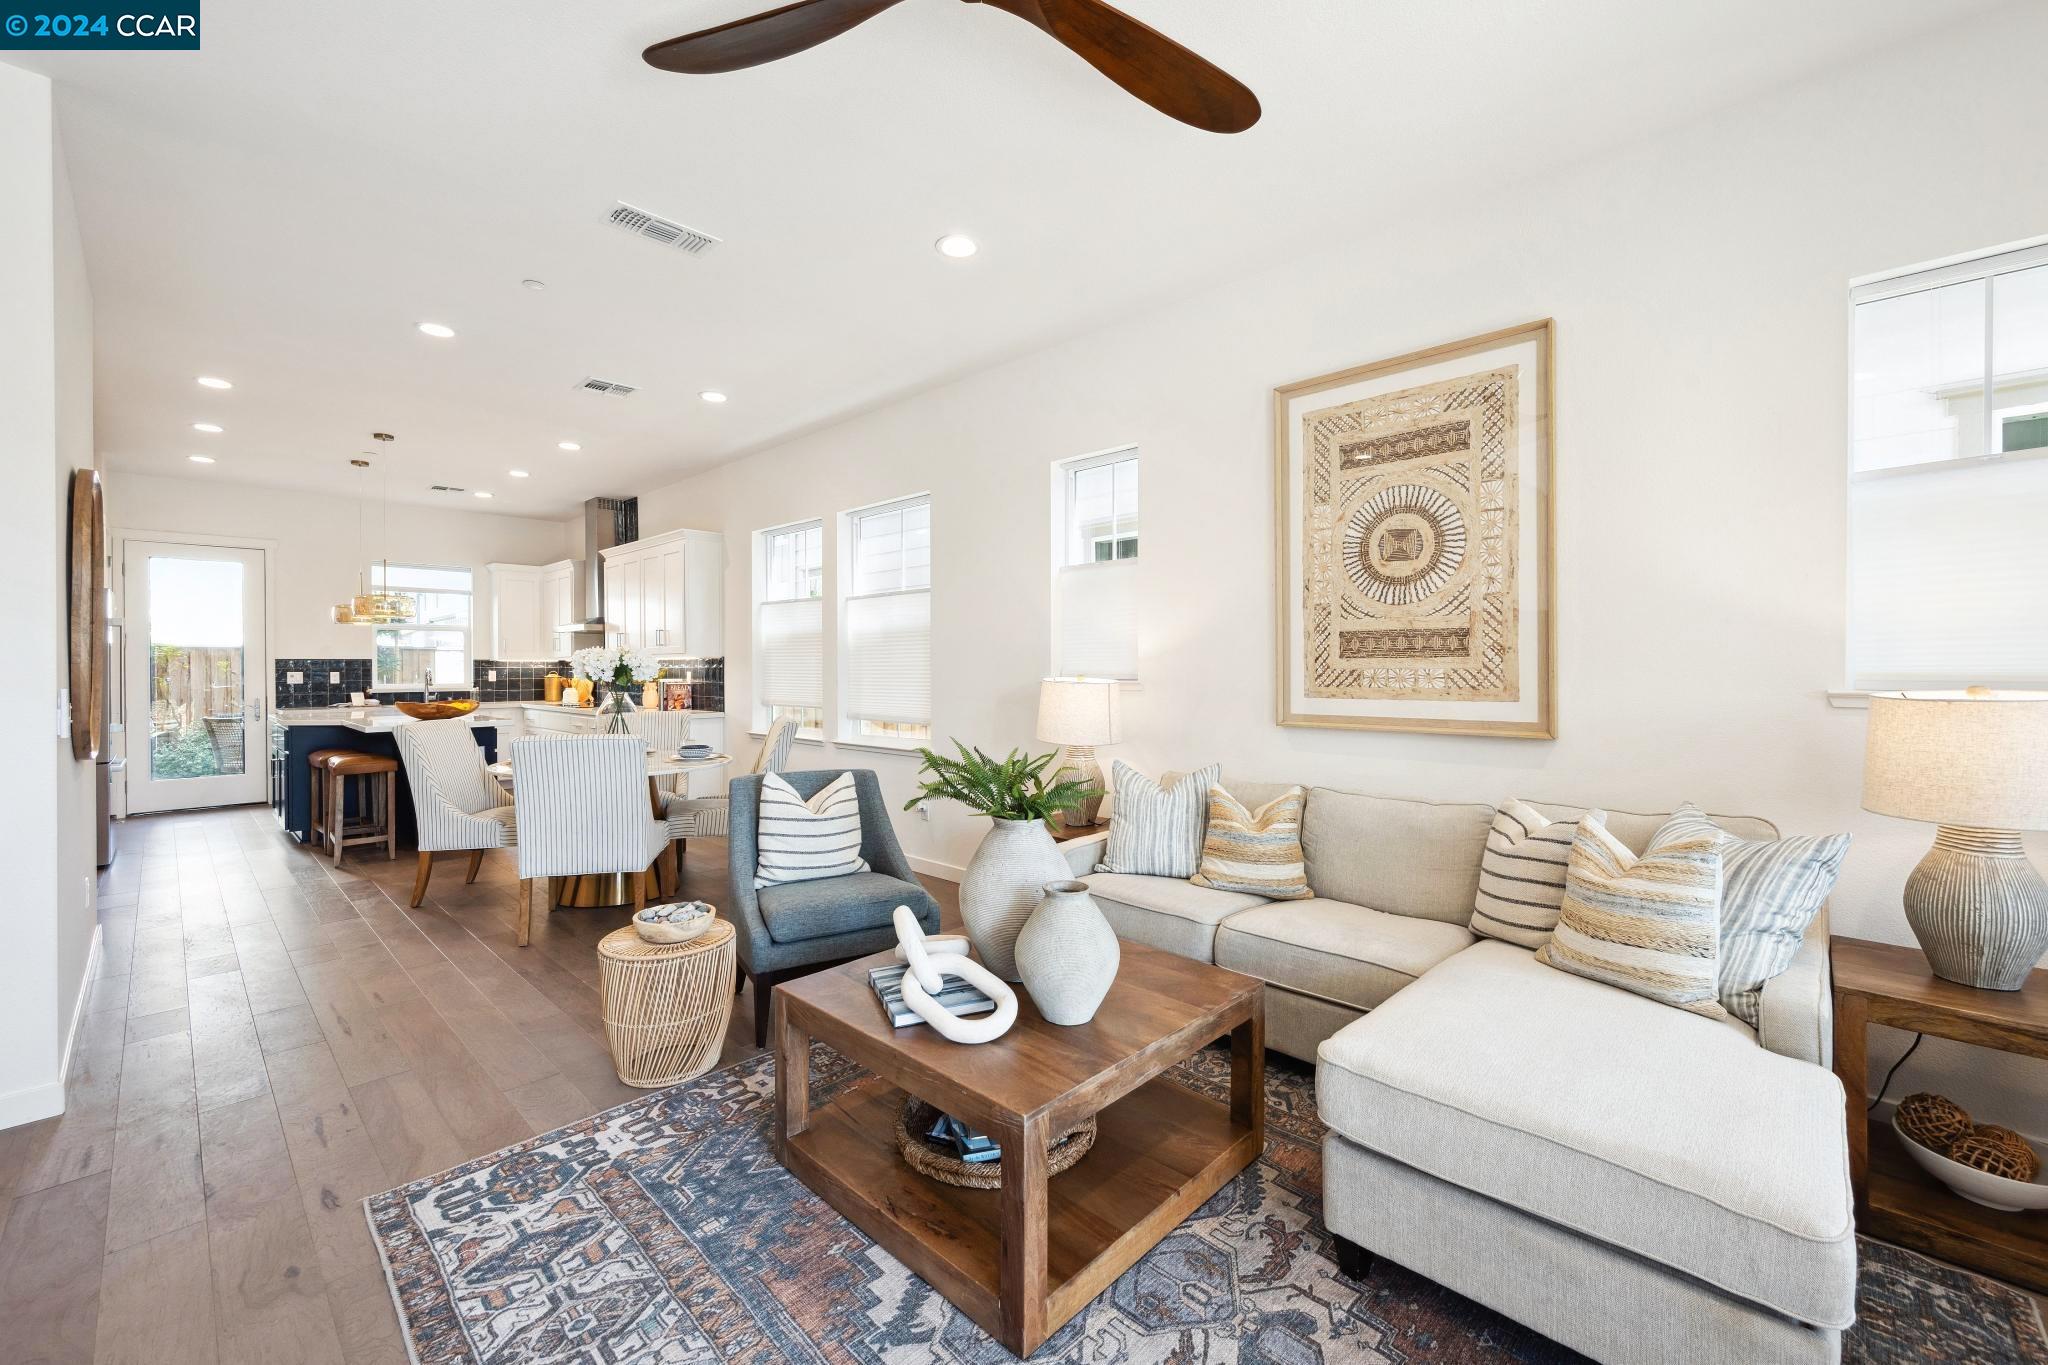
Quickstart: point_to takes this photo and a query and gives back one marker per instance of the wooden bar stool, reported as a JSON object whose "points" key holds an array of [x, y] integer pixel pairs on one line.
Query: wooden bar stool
{"points": [[316, 764], [376, 801]]}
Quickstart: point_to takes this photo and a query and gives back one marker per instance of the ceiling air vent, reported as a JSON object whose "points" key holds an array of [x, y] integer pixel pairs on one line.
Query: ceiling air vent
{"points": [[667, 231], [613, 386]]}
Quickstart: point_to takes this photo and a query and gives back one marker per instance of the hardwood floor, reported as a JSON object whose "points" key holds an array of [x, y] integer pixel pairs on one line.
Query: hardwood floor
{"points": [[267, 1042]]}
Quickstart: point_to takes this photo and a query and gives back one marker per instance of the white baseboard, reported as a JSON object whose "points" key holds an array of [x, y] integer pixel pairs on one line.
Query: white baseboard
{"points": [[943, 871], [36, 1102], [47, 1100], [85, 984]]}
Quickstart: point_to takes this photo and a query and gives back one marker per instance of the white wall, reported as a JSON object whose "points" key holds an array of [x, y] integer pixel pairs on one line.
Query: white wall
{"points": [[1699, 287], [46, 918], [317, 558]]}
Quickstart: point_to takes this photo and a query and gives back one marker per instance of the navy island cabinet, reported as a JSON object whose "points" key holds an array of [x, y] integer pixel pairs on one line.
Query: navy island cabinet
{"points": [[293, 739]]}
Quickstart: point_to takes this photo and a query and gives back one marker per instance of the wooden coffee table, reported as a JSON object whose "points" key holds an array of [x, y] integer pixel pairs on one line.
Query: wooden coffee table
{"points": [[1023, 1259]]}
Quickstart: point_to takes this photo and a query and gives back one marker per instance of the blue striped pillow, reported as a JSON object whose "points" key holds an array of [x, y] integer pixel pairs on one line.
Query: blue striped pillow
{"points": [[804, 841], [1155, 832], [1770, 891]]}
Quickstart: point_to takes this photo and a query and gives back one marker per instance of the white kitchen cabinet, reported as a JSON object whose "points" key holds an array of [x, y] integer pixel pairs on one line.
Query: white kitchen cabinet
{"points": [[666, 593], [518, 630], [561, 720], [561, 604]]}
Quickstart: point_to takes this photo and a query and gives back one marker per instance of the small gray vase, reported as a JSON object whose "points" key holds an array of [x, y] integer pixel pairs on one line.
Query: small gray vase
{"points": [[1067, 954], [1001, 887]]}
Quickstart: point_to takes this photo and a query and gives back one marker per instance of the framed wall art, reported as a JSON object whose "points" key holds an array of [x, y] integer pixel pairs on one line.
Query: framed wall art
{"points": [[1413, 526]]}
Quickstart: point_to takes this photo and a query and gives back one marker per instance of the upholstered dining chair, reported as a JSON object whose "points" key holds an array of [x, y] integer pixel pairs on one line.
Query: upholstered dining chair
{"points": [[791, 929], [710, 817], [583, 812], [456, 803], [667, 731]]}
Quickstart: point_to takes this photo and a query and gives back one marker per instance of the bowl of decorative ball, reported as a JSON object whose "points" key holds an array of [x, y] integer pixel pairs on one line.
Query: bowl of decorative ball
{"points": [[677, 923], [1982, 1162]]}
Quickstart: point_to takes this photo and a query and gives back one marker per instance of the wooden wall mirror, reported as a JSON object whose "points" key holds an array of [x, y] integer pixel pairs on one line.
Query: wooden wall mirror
{"points": [[88, 615]]}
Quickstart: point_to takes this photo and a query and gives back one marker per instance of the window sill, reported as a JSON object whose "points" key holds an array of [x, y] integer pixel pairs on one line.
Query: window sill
{"points": [[876, 746], [1849, 701]]}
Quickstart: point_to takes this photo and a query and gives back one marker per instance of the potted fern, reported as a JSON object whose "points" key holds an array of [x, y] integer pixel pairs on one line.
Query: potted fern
{"points": [[1006, 876]]}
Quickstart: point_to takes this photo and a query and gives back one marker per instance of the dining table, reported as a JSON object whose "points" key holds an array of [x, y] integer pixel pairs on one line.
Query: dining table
{"points": [[616, 888]]}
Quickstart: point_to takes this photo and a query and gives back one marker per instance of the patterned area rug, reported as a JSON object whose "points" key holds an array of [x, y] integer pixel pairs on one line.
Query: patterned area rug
{"points": [[664, 1231]]}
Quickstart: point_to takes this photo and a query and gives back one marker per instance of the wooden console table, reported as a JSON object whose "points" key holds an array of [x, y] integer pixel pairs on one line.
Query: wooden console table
{"points": [[1880, 983]]}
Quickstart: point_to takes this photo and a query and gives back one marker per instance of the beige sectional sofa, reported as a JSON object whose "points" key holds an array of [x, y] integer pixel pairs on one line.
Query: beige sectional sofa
{"points": [[1636, 1182]]}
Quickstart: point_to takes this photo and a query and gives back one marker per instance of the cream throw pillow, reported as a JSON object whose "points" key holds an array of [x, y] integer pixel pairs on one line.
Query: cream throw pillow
{"points": [[1521, 874], [1650, 925], [1258, 851]]}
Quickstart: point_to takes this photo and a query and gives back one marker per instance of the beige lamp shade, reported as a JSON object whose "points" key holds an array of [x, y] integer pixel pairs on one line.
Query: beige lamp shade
{"points": [[1079, 711], [1976, 759]]}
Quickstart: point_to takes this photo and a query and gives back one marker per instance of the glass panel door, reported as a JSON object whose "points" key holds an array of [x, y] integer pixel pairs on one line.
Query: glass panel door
{"points": [[199, 669]]}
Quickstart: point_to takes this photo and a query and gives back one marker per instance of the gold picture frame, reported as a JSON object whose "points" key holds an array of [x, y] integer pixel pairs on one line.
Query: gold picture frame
{"points": [[1491, 519]]}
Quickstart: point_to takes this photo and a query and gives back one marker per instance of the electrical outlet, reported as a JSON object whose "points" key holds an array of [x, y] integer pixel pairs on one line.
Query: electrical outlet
{"points": [[63, 713], [334, 678], [294, 678], [924, 813], [490, 675]]}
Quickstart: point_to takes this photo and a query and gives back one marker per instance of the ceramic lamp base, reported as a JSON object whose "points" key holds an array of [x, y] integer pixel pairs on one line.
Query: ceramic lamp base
{"points": [[1078, 762], [1979, 908]]}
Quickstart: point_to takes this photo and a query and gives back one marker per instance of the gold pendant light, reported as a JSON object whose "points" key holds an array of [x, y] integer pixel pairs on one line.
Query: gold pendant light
{"points": [[382, 607]]}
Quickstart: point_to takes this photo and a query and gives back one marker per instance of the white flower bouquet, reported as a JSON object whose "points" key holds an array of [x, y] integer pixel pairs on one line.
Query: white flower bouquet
{"points": [[621, 668]]}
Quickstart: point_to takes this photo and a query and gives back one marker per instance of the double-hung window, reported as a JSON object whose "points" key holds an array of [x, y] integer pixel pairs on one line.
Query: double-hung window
{"points": [[789, 625], [1948, 476], [886, 622], [432, 646], [1095, 584]]}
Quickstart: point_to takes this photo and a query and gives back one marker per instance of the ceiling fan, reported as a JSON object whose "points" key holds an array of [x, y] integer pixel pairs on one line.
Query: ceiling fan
{"points": [[1137, 57]]}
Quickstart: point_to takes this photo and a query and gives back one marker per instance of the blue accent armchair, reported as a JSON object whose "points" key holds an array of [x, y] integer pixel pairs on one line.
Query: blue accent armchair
{"points": [[796, 928]]}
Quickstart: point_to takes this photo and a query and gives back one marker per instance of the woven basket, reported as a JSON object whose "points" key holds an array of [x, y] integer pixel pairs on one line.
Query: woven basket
{"points": [[938, 1163]]}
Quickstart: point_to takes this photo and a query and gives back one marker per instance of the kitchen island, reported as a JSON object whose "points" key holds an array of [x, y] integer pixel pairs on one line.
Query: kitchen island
{"points": [[297, 734]]}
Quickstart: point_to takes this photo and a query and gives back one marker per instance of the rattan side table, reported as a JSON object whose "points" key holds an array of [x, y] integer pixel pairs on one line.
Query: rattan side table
{"points": [[665, 1005]]}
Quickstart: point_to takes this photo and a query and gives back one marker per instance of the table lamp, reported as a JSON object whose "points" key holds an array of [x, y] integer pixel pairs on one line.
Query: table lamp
{"points": [[1078, 714], [1974, 764]]}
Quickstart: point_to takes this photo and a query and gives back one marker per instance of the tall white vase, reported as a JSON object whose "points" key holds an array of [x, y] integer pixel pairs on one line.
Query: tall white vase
{"points": [[1002, 885], [1067, 954]]}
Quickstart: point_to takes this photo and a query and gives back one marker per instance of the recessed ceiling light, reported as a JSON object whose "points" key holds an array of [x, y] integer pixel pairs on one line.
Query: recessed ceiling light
{"points": [[957, 246], [200, 459], [437, 329], [517, 473], [208, 381], [535, 284], [481, 493], [712, 396], [569, 445], [207, 427]]}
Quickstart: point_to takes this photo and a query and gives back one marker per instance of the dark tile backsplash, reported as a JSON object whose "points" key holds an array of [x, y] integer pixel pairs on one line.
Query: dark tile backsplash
{"points": [[516, 681], [316, 689]]}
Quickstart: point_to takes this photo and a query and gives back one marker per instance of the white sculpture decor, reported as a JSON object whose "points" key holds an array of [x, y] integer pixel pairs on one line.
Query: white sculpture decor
{"points": [[1068, 954], [926, 978]]}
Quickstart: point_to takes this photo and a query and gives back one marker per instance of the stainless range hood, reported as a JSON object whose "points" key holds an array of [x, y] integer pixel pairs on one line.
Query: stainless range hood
{"points": [[606, 522]]}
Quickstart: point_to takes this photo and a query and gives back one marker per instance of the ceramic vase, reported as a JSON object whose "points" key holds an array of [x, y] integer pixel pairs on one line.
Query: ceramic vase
{"points": [[1001, 888], [1067, 954]]}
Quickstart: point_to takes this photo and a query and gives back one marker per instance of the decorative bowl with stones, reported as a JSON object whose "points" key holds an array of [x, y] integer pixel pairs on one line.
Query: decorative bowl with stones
{"points": [[676, 923]]}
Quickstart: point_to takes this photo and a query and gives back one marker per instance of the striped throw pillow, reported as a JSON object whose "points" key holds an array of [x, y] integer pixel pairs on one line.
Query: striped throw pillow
{"points": [[1255, 851], [1770, 891], [1157, 832], [1650, 925], [1521, 874], [804, 841]]}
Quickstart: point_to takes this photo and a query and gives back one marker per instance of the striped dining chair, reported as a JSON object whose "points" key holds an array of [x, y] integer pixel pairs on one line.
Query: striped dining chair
{"points": [[582, 807], [455, 802], [667, 731], [710, 817]]}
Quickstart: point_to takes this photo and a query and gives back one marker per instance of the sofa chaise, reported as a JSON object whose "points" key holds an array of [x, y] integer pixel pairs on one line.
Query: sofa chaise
{"points": [[1637, 1182]]}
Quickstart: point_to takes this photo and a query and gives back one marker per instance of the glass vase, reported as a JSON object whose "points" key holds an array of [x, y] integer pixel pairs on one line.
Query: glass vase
{"points": [[617, 710]]}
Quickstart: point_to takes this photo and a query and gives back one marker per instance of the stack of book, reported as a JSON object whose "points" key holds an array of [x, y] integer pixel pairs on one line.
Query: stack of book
{"points": [[957, 998], [973, 1147]]}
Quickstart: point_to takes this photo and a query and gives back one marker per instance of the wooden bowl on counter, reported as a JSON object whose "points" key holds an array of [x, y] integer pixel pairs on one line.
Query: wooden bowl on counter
{"points": [[436, 710]]}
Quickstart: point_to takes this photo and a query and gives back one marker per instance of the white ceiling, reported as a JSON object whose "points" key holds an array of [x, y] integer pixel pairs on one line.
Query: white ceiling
{"points": [[284, 206]]}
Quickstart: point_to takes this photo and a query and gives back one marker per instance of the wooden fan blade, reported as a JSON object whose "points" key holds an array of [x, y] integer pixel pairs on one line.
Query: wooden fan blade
{"points": [[1144, 61], [762, 37]]}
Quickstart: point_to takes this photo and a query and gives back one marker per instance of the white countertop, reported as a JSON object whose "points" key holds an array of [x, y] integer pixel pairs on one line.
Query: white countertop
{"points": [[368, 720], [580, 710]]}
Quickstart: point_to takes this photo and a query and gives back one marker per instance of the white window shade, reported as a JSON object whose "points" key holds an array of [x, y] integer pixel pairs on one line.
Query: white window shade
{"points": [[1097, 611], [889, 658], [1949, 576], [792, 653]]}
